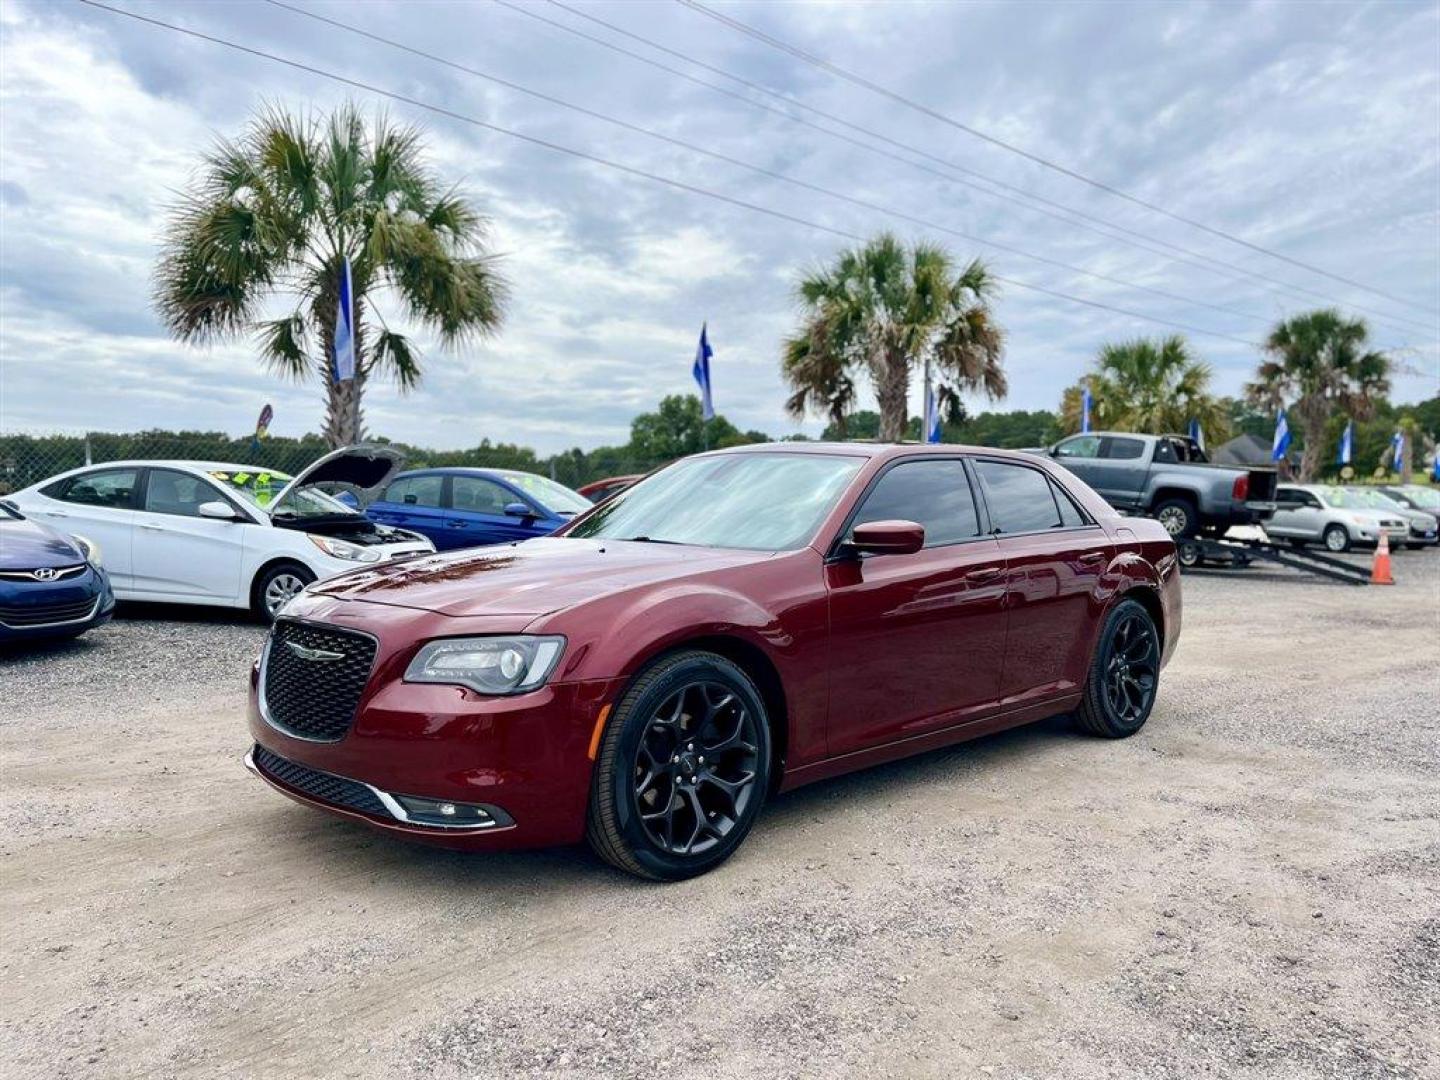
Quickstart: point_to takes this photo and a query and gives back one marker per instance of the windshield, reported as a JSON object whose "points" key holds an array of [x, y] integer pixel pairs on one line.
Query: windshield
{"points": [[753, 501], [259, 488], [1376, 500], [1421, 496], [547, 492]]}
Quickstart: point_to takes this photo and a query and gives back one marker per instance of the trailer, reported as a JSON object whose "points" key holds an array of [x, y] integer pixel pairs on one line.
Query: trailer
{"points": [[1196, 551]]}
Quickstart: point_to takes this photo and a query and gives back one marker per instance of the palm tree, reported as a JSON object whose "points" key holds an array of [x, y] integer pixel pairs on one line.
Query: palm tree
{"points": [[886, 309], [275, 214], [1149, 385], [1319, 363]]}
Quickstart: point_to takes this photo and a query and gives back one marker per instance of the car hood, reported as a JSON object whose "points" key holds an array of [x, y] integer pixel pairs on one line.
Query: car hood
{"points": [[366, 468], [28, 545], [531, 578]]}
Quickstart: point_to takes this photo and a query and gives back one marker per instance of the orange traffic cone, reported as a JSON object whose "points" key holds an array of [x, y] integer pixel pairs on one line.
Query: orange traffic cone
{"points": [[1380, 568]]}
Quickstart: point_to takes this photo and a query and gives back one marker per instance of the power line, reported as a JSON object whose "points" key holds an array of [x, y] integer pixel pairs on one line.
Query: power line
{"points": [[1195, 258], [876, 88], [758, 169], [631, 170]]}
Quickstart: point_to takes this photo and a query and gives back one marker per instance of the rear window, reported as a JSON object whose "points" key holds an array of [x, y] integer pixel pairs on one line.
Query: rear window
{"points": [[1019, 498]]}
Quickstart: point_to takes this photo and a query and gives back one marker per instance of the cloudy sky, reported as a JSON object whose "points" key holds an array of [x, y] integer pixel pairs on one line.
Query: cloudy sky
{"points": [[1309, 129]]}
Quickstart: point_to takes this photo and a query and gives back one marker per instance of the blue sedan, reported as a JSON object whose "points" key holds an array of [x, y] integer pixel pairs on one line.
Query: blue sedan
{"points": [[460, 507], [51, 584]]}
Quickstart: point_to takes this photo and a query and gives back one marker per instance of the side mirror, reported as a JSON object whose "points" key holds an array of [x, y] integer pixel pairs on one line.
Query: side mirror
{"points": [[888, 537], [518, 509], [218, 510]]}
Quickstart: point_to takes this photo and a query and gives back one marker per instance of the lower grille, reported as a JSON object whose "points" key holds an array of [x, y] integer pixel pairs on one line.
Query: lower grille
{"points": [[314, 676], [33, 615], [335, 790]]}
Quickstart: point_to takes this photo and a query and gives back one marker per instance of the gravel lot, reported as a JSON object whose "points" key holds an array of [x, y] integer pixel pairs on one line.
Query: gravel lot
{"points": [[1250, 887]]}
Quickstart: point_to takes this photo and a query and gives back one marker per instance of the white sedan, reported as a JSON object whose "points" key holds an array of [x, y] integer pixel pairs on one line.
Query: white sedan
{"points": [[198, 532]]}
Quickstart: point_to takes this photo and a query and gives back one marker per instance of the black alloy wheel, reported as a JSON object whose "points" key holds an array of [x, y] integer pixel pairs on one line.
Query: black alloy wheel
{"points": [[1124, 675], [683, 768]]}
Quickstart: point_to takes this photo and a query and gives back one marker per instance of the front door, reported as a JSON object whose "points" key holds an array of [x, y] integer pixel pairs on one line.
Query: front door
{"points": [[1054, 556], [177, 552], [477, 514], [917, 640]]}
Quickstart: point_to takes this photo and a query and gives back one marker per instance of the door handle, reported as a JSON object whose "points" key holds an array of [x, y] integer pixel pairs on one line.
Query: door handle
{"points": [[987, 573], [152, 528], [456, 524], [55, 513], [1092, 557]]}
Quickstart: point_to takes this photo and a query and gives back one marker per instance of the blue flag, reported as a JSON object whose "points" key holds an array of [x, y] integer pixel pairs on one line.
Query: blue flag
{"points": [[932, 415], [344, 328], [1347, 444], [1085, 402], [1397, 444], [701, 371], [1281, 445], [1197, 435]]}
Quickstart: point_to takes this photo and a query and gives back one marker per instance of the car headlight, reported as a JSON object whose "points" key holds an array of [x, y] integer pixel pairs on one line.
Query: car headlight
{"points": [[487, 665], [89, 548], [342, 549]]}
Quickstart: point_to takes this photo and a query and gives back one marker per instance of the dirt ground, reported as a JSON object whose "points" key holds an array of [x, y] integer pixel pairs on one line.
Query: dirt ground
{"points": [[1249, 887]]}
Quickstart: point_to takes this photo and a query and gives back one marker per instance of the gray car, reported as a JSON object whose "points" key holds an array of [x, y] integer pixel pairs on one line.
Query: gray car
{"points": [[1421, 497], [1338, 517], [1423, 526]]}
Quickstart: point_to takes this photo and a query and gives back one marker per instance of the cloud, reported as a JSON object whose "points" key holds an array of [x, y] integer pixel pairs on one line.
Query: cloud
{"points": [[1315, 137]]}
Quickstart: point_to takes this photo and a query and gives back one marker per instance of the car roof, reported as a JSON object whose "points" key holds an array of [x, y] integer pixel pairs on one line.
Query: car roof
{"points": [[177, 463], [488, 471], [873, 450]]}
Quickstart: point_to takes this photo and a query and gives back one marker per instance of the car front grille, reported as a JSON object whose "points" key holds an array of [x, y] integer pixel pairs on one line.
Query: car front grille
{"points": [[323, 786], [314, 676], [19, 617]]}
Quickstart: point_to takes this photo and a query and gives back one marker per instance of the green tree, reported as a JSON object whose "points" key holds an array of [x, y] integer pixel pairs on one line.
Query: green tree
{"points": [[1319, 364], [1150, 385], [887, 309], [677, 428], [276, 212]]}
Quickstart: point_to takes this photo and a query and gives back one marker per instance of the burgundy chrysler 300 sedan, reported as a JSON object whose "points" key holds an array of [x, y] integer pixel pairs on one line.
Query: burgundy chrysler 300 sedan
{"points": [[737, 624]]}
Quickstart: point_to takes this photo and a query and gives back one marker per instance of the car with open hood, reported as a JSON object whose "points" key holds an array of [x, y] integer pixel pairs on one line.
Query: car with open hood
{"points": [[204, 532], [737, 624], [51, 584]]}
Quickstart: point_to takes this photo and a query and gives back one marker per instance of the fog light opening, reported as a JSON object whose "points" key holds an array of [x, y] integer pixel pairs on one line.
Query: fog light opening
{"points": [[455, 815]]}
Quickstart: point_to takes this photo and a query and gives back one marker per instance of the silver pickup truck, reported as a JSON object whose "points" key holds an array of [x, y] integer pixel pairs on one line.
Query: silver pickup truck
{"points": [[1169, 478]]}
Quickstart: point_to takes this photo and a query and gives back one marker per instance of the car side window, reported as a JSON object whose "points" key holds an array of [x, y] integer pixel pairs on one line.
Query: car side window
{"points": [[1071, 516], [170, 492], [477, 495], [935, 493], [416, 491], [1082, 446], [1019, 498], [1165, 452], [1122, 449], [113, 488]]}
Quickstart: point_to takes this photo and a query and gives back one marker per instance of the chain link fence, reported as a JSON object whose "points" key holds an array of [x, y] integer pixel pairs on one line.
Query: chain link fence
{"points": [[27, 458]]}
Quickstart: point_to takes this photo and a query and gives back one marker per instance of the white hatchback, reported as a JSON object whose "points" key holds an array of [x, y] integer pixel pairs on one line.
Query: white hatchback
{"points": [[200, 532]]}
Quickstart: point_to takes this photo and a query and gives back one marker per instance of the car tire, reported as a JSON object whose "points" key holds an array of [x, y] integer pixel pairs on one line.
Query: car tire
{"points": [[1413, 547], [1336, 538], [658, 808], [276, 585], [1124, 674], [1179, 516]]}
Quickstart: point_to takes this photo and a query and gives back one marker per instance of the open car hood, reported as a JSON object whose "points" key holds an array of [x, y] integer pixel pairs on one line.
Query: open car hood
{"points": [[365, 468]]}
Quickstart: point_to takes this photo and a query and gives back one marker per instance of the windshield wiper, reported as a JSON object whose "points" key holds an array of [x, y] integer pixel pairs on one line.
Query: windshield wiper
{"points": [[648, 540]]}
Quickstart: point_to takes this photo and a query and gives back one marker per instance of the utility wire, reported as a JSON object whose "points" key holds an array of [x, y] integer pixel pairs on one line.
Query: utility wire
{"points": [[761, 170], [1140, 240], [883, 91], [628, 169]]}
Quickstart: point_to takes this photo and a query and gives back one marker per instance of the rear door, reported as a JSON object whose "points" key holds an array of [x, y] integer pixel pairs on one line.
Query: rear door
{"points": [[99, 504], [416, 503], [1054, 555], [917, 640], [477, 513], [177, 552]]}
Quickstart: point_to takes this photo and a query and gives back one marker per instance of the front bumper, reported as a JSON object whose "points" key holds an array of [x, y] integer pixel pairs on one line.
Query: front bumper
{"points": [[84, 602], [524, 757]]}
